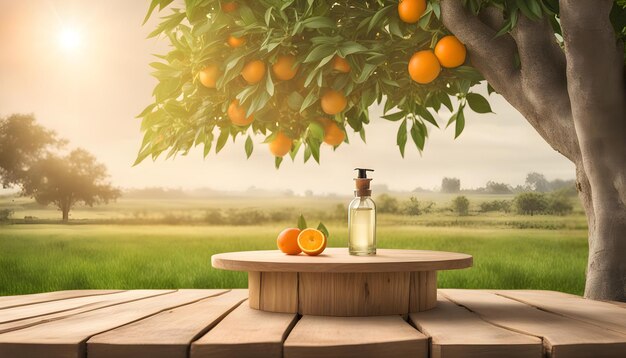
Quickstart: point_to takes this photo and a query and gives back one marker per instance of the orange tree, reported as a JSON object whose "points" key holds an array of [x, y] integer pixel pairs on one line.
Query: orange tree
{"points": [[302, 73]]}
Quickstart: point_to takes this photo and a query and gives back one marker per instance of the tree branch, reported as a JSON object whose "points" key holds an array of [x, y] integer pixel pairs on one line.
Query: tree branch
{"points": [[493, 56]]}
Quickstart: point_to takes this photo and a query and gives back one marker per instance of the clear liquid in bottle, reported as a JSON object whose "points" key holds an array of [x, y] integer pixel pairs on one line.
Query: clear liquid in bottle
{"points": [[362, 228]]}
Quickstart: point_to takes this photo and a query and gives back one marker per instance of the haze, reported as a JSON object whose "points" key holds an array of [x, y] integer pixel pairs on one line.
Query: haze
{"points": [[90, 83]]}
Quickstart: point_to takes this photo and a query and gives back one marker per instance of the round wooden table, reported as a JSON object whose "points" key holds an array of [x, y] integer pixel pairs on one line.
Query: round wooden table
{"points": [[336, 283]]}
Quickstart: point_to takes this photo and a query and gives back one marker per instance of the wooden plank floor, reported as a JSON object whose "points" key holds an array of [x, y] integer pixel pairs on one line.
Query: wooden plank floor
{"points": [[219, 323]]}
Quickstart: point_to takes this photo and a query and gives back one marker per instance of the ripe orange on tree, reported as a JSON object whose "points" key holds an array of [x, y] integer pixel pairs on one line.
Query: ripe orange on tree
{"points": [[424, 67], [229, 6], [235, 42], [253, 72], [281, 145], [312, 241], [284, 68], [333, 102], [340, 64], [333, 135], [287, 241], [208, 76], [450, 51], [237, 114], [410, 11]]}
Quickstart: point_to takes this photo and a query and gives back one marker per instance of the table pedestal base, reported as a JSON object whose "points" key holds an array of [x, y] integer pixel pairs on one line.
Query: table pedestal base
{"points": [[343, 294]]}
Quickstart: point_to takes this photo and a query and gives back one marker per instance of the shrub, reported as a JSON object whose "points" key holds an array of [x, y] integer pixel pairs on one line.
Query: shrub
{"points": [[414, 207], [531, 203], [5, 214], [495, 205], [386, 204], [460, 205]]}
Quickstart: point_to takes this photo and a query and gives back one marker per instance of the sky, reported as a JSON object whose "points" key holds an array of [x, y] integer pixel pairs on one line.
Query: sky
{"points": [[81, 67]]}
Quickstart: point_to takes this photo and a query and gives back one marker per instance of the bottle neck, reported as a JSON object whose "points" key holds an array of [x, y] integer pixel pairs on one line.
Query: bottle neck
{"points": [[361, 194]]}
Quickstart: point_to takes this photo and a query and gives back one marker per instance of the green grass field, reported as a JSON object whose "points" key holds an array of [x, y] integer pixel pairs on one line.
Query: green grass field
{"points": [[35, 258]]}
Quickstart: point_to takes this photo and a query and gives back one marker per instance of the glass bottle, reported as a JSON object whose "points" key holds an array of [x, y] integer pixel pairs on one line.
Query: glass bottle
{"points": [[362, 218]]}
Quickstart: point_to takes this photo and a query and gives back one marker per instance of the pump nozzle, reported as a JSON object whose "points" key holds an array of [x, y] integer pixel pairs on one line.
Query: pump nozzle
{"points": [[363, 182], [363, 172]]}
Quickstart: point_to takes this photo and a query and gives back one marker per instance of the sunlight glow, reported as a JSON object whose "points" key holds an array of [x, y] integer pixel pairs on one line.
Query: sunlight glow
{"points": [[69, 39]]}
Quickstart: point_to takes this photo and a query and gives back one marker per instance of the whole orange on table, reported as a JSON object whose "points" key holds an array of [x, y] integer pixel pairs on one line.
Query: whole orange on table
{"points": [[287, 241]]}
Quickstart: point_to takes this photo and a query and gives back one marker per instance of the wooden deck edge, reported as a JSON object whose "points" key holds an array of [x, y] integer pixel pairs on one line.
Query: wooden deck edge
{"points": [[87, 293]]}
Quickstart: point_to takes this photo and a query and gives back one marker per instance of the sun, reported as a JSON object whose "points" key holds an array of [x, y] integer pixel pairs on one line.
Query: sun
{"points": [[69, 39]]}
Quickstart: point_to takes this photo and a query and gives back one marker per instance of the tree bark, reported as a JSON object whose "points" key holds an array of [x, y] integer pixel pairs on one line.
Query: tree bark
{"points": [[576, 101], [66, 215]]}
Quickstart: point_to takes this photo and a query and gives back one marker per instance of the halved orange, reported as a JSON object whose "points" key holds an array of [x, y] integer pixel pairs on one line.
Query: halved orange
{"points": [[312, 241]]}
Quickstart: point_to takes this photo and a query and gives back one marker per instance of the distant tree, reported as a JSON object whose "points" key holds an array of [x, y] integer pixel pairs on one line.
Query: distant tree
{"points": [[537, 182], [531, 203], [387, 204], [559, 203], [460, 205], [493, 187], [66, 181], [5, 214], [414, 207], [450, 185], [22, 142], [495, 205]]}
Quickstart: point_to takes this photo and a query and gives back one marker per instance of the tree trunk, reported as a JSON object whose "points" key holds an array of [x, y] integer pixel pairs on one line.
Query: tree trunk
{"points": [[606, 266], [576, 100], [66, 214]]}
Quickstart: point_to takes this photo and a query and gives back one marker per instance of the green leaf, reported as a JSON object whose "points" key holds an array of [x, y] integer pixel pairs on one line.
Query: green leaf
{"points": [[316, 131], [401, 137], [321, 227], [478, 103], [394, 117], [277, 161], [318, 22], [460, 123], [249, 147], [302, 222], [221, 140], [319, 53], [418, 137]]}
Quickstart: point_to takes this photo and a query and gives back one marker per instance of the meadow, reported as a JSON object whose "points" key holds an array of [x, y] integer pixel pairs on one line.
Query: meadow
{"points": [[112, 247]]}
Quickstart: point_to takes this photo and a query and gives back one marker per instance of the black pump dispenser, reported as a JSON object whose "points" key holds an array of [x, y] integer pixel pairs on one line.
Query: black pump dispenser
{"points": [[362, 182], [363, 172]]}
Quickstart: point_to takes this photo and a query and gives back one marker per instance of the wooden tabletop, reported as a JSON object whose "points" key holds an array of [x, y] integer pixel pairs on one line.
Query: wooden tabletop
{"points": [[338, 260]]}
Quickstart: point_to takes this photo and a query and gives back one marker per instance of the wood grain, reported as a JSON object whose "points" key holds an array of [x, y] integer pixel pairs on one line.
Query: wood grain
{"points": [[246, 333], [338, 260], [353, 294], [563, 336], [598, 313], [456, 332], [382, 336], [279, 292], [422, 291], [14, 301], [36, 315], [254, 289], [167, 334], [66, 338]]}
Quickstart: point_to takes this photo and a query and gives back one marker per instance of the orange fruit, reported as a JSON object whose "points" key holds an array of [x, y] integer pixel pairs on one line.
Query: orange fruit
{"points": [[235, 41], [281, 145], [340, 64], [333, 102], [208, 76], [410, 11], [287, 241], [333, 135], [424, 67], [253, 72], [284, 68], [312, 242], [229, 6], [450, 52], [237, 114]]}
